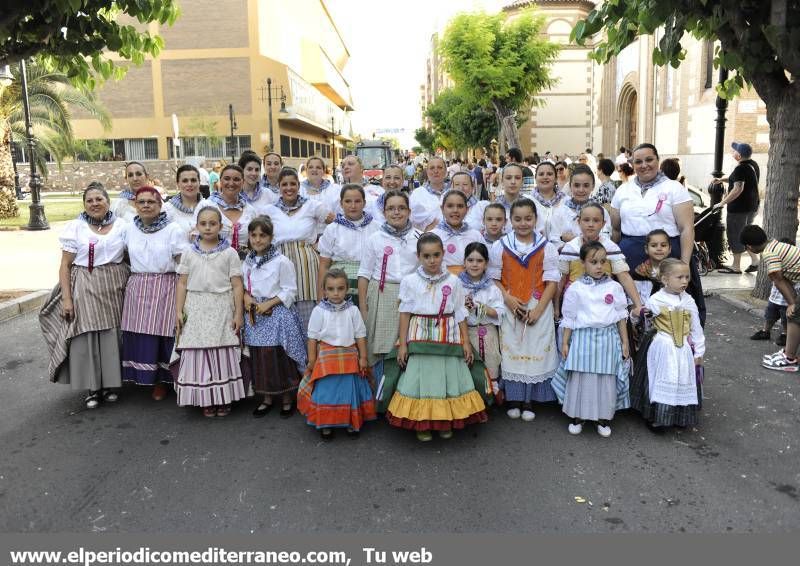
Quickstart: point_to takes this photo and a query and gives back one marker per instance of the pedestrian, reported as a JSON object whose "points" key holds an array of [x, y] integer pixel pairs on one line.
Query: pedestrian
{"points": [[273, 163], [344, 240], [389, 255], [562, 177], [253, 192], [547, 196], [454, 233], [435, 389], [742, 201], [204, 177], [273, 332], [526, 265], [236, 212], [154, 244], [80, 320], [426, 202], [208, 318], [625, 171], [213, 179], [494, 224], [485, 308], [135, 177], [316, 187], [335, 391], [465, 183], [592, 379], [564, 223], [606, 189], [181, 208]]}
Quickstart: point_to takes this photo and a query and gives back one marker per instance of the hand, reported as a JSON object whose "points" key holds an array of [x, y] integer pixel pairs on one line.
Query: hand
{"points": [[557, 312], [363, 309], [363, 365], [513, 303], [533, 316], [636, 312], [468, 354], [248, 300], [789, 311], [716, 181], [402, 355], [719, 205], [67, 309], [178, 323], [698, 361], [567, 237], [626, 351], [469, 303], [565, 350], [237, 323]]}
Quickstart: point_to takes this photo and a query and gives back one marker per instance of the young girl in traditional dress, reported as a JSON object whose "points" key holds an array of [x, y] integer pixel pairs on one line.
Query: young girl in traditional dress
{"points": [[208, 319], [526, 265], [494, 224], [342, 244], [645, 275], [181, 208], [389, 255], [592, 379], [485, 308], [667, 381], [136, 177], [463, 181], [453, 231], [335, 392], [435, 390], [565, 224], [273, 331], [154, 245]]}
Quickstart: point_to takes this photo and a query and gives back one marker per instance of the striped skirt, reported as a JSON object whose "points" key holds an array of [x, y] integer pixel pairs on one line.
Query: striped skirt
{"points": [[306, 264], [336, 394], [209, 377], [383, 319], [97, 297]]}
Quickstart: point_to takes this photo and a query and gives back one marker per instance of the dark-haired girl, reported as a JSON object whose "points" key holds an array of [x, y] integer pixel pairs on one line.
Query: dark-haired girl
{"points": [[453, 231], [547, 196], [564, 223], [254, 194], [273, 331], [295, 219], [181, 208], [525, 265], [485, 308], [235, 210], [273, 163], [136, 177]]}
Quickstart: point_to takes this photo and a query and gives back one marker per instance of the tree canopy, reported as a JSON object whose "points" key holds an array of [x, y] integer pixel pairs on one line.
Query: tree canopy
{"points": [[461, 120], [499, 63], [77, 36]]}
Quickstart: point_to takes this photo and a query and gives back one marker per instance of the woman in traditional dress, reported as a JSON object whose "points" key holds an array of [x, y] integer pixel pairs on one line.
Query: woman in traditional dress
{"points": [[182, 207], [316, 187], [252, 191], [273, 163], [547, 197], [236, 212], [136, 177], [154, 245], [426, 202], [80, 321]]}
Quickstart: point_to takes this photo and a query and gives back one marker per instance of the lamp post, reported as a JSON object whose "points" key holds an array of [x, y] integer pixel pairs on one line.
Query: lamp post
{"points": [[719, 142], [36, 220], [270, 98], [232, 118]]}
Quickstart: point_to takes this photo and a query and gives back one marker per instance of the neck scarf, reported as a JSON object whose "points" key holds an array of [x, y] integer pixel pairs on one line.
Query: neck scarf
{"points": [[104, 221], [644, 187], [217, 199], [177, 203], [488, 238], [256, 194], [223, 243], [589, 280], [329, 306], [397, 233], [450, 231], [474, 286], [552, 201], [160, 222], [127, 194], [287, 208], [259, 260], [347, 223], [265, 184], [577, 206], [433, 192], [312, 190], [505, 202]]}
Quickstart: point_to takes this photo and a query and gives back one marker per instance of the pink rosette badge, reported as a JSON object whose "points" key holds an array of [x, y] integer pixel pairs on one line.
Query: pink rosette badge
{"points": [[482, 341], [446, 290], [661, 198], [609, 299], [537, 295], [388, 250], [451, 248]]}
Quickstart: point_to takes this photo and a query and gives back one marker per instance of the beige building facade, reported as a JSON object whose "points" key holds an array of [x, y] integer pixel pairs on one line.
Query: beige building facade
{"points": [[218, 57]]}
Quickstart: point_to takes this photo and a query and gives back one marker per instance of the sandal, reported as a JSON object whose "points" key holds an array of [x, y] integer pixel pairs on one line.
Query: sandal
{"points": [[728, 269], [751, 269], [223, 410], [109, 396], [92, 400], [210, 412]]}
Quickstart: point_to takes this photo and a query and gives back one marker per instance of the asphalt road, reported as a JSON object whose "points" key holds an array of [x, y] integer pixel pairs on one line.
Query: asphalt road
{"points": [[147, 467]]}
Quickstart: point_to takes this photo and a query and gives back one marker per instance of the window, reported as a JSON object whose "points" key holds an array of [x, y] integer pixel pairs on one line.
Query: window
{"points": [[285, 146], [214, 148], [295, 147], [303, 148]]}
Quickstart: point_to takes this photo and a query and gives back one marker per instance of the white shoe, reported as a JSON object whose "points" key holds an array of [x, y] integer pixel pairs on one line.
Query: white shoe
{"points": [[574, 428], [513, 413], [777, 354], [604, 431], [528, 415]]}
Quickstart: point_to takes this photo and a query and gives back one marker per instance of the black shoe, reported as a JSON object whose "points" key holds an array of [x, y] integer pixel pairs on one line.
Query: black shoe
{"points": [[751, 269], [262, 410], [326, 434], [781, 341], [761, 335], [286, 413], [354, 434], [656, 429]]}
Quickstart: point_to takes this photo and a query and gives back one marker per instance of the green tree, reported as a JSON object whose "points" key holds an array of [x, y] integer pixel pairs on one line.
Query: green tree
{"points": [[759, 44], [426, 139], [77, 36], [92, 150], [460, 119], [51, 96], [499, 64]]}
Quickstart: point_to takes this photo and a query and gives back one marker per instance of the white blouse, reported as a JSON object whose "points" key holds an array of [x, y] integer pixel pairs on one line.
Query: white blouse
{"points": [[549, 262], [276, 278], [664, 300], [210, 273], [330, 197], [337, 328], [248, 213], [155, 253], [108, 248], [401, 254], [340, 243], [596, 304], [491, 297], [124, 209], [300, 226], [186, 220], [455, 244], [544, 218], [641, 214], [425, 207], [266, 198], [474, 215], [418, 296], [565, 219]]}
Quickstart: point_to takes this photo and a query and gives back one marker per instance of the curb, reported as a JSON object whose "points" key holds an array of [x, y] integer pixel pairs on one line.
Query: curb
{"points": [[740, 304], [24, 304]]}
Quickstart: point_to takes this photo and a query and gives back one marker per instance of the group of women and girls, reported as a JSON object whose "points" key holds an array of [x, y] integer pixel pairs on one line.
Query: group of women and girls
{"points": [[343, 303]]}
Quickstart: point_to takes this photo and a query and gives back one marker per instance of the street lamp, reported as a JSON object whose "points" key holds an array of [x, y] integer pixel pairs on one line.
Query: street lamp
{"points": [[269, 98], [37, 220], [719, 142], [232, 118]]}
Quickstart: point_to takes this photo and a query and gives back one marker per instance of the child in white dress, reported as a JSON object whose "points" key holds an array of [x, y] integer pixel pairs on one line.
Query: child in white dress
{"points": [[454, 232]]}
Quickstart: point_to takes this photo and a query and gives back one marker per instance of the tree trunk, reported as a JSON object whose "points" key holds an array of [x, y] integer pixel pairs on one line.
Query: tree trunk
{"points": [[8, 199], [783, 173], [508, 124]]}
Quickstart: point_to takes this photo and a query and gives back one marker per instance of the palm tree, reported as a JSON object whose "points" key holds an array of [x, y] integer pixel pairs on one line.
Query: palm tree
{"points": [[52, 97]]}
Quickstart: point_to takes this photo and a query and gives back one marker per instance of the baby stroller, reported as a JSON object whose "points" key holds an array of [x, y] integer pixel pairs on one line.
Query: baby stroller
{"points": [[707, 229]]}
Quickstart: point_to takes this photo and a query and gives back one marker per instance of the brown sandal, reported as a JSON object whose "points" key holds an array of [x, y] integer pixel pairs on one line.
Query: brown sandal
{"points": [[209, 412], [223, 410]]}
